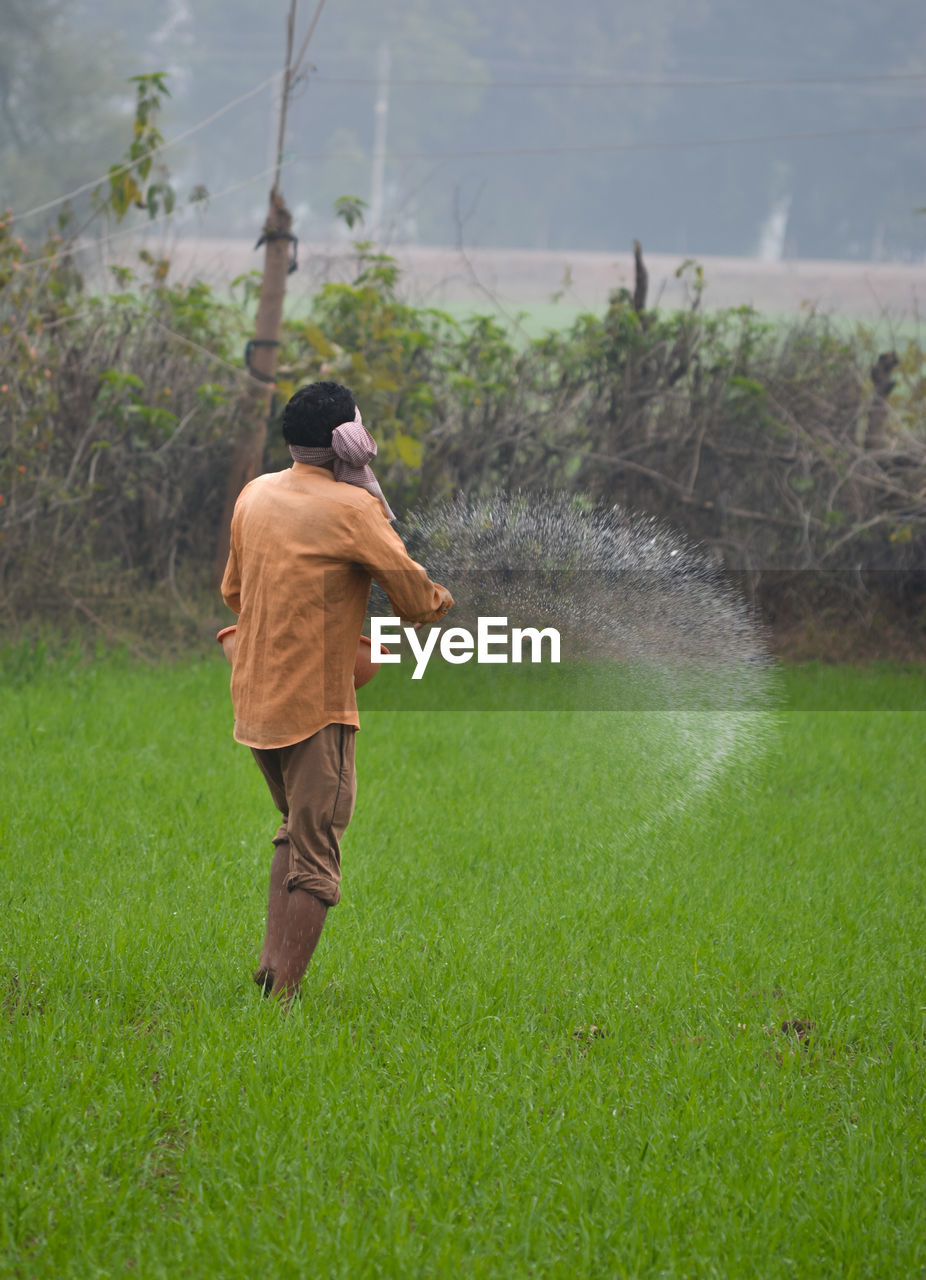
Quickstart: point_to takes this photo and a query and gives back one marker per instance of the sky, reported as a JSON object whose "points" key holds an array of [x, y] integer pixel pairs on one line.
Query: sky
{"points": [[697, 126]]}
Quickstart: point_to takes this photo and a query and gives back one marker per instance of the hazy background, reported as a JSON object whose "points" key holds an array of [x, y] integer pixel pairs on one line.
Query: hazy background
{"points": [[594, 110]]}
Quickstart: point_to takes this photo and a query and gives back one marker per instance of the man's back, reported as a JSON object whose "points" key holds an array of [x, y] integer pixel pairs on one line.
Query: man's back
{"points": [[303, 550]]}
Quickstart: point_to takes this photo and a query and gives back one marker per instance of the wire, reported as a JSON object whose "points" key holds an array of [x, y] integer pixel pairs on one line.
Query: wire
{"points": [[485, 154], [737, 82], [637, 146], [308, 37], [497, 84], [51, 204], [137, 228]]}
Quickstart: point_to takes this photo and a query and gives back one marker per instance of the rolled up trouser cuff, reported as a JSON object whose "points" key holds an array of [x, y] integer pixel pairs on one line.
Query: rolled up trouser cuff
{"points": [[314, 785], [324, 890]]}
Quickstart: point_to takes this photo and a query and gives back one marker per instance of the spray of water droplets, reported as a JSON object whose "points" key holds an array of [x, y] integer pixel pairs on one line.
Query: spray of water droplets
{"points": [[663, 636]]}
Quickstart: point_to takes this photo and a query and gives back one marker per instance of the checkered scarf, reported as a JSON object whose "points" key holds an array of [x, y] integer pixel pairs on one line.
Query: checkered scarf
{"points": [[352, 449]]}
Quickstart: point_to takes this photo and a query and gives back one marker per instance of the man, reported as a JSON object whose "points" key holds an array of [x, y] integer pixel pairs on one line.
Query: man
{"points": [[305, 544]]}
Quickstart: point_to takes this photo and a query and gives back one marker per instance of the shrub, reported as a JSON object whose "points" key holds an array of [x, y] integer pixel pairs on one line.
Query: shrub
{"points": [[789, 451]]}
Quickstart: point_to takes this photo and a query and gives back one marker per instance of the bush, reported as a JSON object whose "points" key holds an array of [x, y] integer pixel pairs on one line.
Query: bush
{"points": [[791, 452], [112, 440]]}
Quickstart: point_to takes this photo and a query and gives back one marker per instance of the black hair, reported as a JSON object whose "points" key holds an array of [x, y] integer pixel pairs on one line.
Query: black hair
{"points": [[311, 415]]}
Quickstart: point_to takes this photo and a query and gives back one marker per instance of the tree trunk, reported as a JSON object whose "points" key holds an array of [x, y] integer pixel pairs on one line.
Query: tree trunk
{"points": [[640, 282], [879, 405], [254, 405]]}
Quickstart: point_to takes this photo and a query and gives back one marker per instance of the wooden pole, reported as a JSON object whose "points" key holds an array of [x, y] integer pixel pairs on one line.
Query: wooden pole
{"points": [[640, 281], [255, 403]]}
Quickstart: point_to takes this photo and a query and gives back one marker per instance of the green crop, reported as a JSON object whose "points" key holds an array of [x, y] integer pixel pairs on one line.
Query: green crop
{"points": [[556, 1027]]}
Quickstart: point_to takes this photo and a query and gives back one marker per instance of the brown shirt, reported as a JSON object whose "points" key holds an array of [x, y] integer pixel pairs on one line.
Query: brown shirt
{"points": [[304, 548]]}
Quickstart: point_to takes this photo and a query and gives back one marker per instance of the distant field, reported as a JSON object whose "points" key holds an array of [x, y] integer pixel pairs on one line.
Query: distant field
{"points": [[527, 320], [532, 320], [542, 1034], [525, 279], [533, 293]]}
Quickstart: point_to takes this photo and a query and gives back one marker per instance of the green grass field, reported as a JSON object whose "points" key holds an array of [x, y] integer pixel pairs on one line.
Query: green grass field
{"points": [[541, 1035]]}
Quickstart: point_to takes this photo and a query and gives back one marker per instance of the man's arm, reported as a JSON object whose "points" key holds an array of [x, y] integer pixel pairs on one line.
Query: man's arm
{"points": [[412, 594]]}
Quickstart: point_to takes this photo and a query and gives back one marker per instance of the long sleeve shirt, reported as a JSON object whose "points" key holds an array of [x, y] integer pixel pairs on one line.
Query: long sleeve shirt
{"points": [[304, 548]]}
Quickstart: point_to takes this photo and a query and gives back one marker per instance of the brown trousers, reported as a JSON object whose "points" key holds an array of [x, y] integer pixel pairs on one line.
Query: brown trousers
{"points": [[314, 785]]}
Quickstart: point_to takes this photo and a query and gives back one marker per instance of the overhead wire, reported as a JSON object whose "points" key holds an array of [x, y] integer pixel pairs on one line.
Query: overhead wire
{"points": [[692, 83], [164, 146], [488, 153], [297, 62], [592, 149], [731, 82], [137, 228]]}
